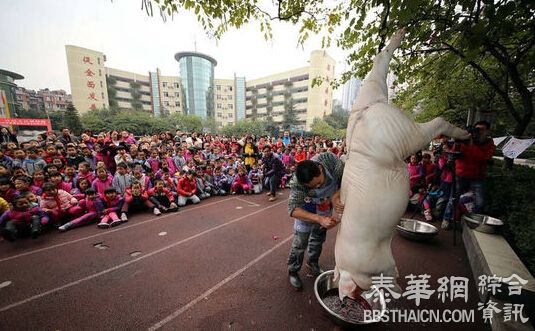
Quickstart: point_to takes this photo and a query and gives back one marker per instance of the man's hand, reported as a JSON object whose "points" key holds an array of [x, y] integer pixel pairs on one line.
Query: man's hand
{"points": [[337, 203], [327, 221]]}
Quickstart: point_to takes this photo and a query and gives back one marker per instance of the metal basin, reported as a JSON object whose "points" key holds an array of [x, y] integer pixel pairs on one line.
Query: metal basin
{"points": [[483, 223], [416, 230], [325, 282]]}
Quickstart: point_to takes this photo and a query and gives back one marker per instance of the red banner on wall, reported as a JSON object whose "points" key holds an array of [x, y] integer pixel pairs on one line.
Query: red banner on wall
{"points": [[27, 122]]}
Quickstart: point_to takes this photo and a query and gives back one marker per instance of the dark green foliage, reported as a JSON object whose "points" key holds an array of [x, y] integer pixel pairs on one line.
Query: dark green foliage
{"points": [[71, 120], [510, 196]]}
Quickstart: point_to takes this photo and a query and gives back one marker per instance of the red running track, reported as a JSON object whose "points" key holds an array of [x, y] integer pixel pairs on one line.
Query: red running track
{"points": [[217, 265]]}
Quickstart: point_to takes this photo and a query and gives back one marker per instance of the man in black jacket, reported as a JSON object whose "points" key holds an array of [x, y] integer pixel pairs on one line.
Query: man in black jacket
{"points": [[273, 172]]}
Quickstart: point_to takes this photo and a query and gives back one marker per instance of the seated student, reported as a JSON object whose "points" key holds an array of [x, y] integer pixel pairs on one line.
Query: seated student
{"points": [[187, 189], [7, 191], [112, 204], [241, 183], [136, 199], [39, 179], [255, 175], [102, 182], [203, 187], [59, 205], [57, 179], [122, 179], [169, 182], [84, 171], [122, 156], [80, 191], [285, 180], [22, 218], [23, 184], [428, 169], [33, 162], [141, 178], [69, 176], [434, 202], [162, 197], [73, 158], [221, 182], [92, 206]]}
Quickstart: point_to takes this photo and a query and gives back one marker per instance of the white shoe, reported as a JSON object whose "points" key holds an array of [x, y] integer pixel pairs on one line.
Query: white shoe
{"points": [[157, 212], [124, 218]]}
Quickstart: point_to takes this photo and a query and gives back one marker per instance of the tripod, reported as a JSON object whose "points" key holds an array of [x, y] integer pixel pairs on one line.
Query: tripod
{"points": [[454, 195]]}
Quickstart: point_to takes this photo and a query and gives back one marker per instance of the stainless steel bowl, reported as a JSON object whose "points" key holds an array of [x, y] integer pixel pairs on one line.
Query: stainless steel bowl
{"points": [[416, 230], [483, 223], [325, 282]]}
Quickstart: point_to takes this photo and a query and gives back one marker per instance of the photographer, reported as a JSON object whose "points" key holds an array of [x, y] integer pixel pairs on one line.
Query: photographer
{"points": [[471, 166]]}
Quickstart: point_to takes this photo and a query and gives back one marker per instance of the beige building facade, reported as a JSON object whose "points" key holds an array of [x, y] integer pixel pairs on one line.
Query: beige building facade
{"points": [[271, 96], [225, 101], [87, 76], [234, 99]]}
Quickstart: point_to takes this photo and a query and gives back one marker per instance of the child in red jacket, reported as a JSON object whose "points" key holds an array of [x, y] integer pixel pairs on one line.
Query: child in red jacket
{"points": [[137, 199], [187, 188], [162, 197]]}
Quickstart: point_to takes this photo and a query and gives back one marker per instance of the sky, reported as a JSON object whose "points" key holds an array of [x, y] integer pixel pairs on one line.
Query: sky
{"points": [[34, 35]]}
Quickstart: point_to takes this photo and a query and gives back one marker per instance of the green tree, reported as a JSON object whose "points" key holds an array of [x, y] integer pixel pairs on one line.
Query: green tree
{"points": [[71, 120], [185, 122], [321, 128], [244, 127], [338, 118]]}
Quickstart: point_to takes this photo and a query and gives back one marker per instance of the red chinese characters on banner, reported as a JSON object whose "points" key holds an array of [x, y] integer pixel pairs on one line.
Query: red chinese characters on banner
{"points": [[89, 73], [26, 122], [90, 83], [87, 60]]}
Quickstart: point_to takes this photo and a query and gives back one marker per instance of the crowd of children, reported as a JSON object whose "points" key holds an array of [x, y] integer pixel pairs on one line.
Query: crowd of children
{"points": [[62, 181]]}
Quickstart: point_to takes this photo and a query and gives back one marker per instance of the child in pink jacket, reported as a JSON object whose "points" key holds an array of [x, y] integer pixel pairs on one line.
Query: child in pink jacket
{"points": [[59, 205], [93, 208], [22, 218]]}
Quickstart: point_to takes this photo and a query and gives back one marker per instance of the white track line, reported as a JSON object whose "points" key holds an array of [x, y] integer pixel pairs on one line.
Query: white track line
{"points": [[249, 202], [193, 302], [76, 282], [111, 231]]}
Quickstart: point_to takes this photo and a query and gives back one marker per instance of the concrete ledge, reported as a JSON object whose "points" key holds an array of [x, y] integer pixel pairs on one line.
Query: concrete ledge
{"points": [[490, 254]]}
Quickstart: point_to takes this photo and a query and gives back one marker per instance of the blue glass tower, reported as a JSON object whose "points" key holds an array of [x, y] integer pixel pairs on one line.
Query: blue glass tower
{"points": [[197, 75], [240, 97]]}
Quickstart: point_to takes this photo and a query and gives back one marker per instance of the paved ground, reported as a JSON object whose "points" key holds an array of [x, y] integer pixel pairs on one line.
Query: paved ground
{"points": [[218, 265]]}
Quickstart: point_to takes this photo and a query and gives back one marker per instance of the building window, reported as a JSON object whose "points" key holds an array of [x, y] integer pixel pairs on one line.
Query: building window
{"points": [[99, 72], [328, 67], [98, 60], [218, 87], [164, 84], [219, 97], [103, 105], [101, 85], [230, 115], [218, 106], [327, 90], [230, 106], [177, 104], [230, 88], [229, 97], [166, 103], [165, 94], [219, 115], [176, 85], [102, 93], [177, 94], [325, 103]]}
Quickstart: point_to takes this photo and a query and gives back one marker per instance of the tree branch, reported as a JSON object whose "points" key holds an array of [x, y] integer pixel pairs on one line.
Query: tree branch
{"points": [[502, 93], [383, 27]]}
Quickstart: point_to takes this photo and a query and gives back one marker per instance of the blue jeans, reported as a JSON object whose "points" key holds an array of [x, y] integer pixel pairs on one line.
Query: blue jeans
{"points": [[312, 240]]}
